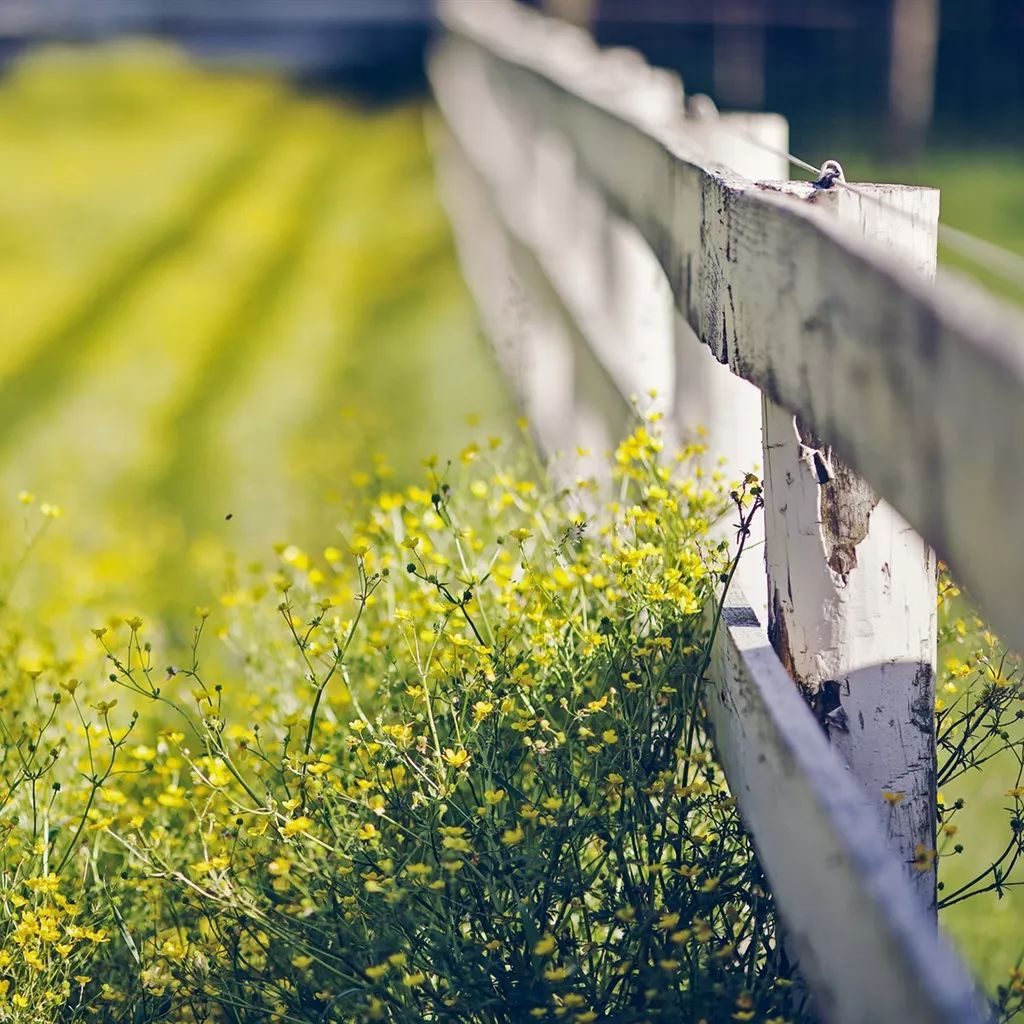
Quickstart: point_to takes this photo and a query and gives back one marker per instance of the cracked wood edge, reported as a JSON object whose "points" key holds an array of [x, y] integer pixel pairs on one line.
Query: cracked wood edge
{"points": [[852, 589], [919, 388], [863, 942]]}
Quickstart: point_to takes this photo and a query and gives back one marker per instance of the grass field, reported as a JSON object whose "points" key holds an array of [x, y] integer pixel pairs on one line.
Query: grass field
{"points": [[979, 194], [221, 297]]}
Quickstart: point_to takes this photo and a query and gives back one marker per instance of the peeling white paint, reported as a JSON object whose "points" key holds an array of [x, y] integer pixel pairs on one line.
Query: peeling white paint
{"points": [[852, 588], [792, 290]]}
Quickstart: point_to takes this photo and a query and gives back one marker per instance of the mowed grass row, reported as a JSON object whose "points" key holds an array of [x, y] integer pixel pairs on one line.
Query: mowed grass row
{"points": [[101, 180], [214, 377]]}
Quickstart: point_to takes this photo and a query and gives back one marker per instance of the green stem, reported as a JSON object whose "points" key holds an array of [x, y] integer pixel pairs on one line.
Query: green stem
{"points": [[323, 686]]}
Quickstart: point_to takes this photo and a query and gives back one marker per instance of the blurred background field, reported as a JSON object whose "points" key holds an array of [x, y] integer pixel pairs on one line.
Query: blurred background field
{"points": [[222, 297], [224, 293]]}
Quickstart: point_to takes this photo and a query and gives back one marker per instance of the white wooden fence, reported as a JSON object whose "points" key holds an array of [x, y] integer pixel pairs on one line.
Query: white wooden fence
{"points": [[614, 244]]}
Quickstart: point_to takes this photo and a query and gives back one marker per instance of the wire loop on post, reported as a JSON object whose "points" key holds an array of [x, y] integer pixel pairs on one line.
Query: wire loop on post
{"points": [[831, 174], [1002, 262]]}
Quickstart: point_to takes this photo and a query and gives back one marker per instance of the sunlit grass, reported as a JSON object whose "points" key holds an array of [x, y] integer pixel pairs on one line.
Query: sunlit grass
{"points": [[222, 296], [211, 280], [979, 193]]}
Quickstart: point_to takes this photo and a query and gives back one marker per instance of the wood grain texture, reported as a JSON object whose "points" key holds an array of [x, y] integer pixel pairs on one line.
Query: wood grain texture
{"points": [[919, 388], [864, 944], [852, 588], [707, 393], [757, 274]]}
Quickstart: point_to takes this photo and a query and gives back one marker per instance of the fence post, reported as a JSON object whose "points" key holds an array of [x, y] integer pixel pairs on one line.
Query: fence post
{"points": [[852, 589]]}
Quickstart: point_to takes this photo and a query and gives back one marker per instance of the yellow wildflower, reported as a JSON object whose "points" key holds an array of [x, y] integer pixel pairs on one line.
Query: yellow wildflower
{"points": [[297, 826]]}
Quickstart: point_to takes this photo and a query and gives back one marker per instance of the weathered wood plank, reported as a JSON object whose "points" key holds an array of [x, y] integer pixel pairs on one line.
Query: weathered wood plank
{"points": [[919, 389], [707, 392], [862, 940], [600, 267], [569, 398], [852, 588]]}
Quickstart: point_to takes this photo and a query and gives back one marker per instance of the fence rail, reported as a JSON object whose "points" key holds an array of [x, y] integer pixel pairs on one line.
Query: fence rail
{"points": [[604, 234]]}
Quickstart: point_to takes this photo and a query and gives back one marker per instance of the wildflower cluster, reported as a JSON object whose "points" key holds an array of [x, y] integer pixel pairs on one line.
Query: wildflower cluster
{"points": [[979, 712], [453, 767], [462, 777], [980, 734]]}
